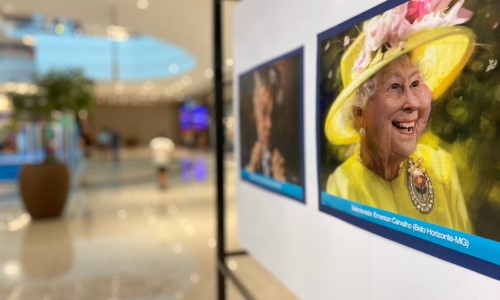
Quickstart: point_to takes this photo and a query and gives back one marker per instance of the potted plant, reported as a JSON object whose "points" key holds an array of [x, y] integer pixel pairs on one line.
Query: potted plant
{"points": [[44, 186]]}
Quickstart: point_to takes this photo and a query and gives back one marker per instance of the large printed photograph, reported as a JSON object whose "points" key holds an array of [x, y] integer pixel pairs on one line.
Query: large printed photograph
{"points": [[271, 131], [409, 110]]}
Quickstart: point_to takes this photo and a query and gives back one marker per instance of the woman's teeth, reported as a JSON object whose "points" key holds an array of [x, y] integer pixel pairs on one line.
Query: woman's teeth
{"points": [[405, 126]]}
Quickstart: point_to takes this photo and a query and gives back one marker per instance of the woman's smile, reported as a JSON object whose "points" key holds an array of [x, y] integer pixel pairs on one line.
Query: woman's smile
{"points": [[406, 127]]}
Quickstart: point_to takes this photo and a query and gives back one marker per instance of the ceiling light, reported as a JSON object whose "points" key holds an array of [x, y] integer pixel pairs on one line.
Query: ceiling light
{"points": [[5, 104], [117, 33], [229, 61], [173, 68], [29, 40], [209, 73], [59, 29], [187, 80], [142, 4]]}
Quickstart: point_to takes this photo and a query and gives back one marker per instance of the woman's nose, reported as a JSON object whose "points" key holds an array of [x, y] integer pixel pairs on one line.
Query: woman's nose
{"points": [[267, 121], [411, 101]]}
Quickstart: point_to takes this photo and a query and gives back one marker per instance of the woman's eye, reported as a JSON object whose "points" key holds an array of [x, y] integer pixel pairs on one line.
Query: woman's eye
{"points": [[415, 84], [394, 86]]}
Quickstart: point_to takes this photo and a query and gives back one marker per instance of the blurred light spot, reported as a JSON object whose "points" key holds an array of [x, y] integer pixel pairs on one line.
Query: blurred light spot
{"points": [[5, 104], [122, 214], [327, 46], [229, 62], [29, 40], [16, 223], [187, 80], [11, 268], [232, 265], [177, 249], [82, 114], [117, 33], [194, 278], [209, 73], [59, 29], [190, 230], [212, 243], [142, 4], [179, 295], [173, 68]]}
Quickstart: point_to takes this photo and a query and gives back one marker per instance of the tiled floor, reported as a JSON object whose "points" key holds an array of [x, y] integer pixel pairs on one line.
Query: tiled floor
{"points": [[121, 237]]}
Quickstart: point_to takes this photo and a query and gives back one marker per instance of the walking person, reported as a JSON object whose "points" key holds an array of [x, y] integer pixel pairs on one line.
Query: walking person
{"points": [[162, 151]]}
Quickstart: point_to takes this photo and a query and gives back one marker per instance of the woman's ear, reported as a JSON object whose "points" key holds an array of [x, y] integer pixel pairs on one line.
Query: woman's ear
{"points": [[357, 112]]}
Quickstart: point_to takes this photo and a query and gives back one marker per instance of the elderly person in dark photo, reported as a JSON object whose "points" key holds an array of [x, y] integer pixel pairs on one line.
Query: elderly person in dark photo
{"points": [[267, 91], [401, 62]]}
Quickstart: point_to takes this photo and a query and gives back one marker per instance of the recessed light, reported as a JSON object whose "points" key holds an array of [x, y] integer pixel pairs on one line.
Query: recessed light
{"points": [[209, 73], [142, 4]]}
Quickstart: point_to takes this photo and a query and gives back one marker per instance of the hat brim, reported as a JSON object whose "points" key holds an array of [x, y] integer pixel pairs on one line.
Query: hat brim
{"points": [[439, 53]]}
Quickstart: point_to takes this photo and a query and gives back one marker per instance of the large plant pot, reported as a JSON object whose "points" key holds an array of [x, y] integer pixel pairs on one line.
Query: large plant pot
{"points": [[44, 189]]}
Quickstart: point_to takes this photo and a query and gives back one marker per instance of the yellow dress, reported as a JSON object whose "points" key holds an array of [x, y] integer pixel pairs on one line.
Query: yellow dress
{"points": [[353, 181]]}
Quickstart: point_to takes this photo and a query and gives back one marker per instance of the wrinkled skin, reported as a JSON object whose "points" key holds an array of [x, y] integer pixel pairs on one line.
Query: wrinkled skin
{"points": [[394, 118]]}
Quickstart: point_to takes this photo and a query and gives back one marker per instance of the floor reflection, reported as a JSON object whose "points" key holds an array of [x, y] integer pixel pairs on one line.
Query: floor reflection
{"points": [[122, 237], [46, 255], [194, 168]]}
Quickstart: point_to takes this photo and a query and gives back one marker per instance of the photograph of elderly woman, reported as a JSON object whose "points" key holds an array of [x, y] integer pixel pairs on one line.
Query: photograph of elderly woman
{"points": [[409, 105], [270, 119]]}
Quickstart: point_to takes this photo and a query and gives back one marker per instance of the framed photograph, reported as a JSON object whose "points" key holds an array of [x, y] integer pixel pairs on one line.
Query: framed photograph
{"points": [[408, 127], [271, 126]]}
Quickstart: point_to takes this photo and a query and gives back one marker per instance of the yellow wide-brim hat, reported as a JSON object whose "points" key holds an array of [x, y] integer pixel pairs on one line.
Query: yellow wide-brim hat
{"points": [[439, 53]]}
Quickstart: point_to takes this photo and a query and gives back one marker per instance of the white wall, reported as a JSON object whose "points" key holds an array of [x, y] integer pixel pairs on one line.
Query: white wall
{"points": [[142, 122], [317, 255]]}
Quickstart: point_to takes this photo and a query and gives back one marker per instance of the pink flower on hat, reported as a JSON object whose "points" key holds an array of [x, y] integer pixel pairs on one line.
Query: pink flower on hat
{"points": [[417, 9], [396, 25]]}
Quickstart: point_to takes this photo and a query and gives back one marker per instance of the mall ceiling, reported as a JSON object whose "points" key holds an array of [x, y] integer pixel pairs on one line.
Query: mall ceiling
{"points": [[186, 23]]}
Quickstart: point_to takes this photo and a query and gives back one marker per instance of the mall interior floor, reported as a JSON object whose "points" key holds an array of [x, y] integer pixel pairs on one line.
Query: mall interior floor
{"points": [[122, 237]]}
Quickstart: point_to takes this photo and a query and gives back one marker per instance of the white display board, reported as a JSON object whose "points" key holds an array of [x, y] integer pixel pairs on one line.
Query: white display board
{"points": [[316, 255]]}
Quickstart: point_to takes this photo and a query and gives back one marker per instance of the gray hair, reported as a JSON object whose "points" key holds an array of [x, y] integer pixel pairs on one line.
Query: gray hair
{"points": [[364, 92], [359, 99]]}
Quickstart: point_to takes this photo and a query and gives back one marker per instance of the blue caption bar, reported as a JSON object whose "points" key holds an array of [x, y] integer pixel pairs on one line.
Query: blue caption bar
{"points": [[469, 244], [291, 190]]}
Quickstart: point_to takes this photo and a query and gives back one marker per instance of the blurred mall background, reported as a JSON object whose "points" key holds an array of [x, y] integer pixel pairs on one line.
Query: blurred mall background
{"points": [[89, 84]]}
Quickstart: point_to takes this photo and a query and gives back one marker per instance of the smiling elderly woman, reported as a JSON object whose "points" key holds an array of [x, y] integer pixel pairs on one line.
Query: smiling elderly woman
{"points": [[389, 85]]}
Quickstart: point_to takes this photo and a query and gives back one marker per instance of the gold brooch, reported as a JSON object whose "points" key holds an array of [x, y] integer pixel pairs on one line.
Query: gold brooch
{"points": [[420, 186]]}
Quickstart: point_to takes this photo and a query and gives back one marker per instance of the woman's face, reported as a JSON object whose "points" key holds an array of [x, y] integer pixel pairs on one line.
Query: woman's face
{"points": [[263, 108], [396, 115]]}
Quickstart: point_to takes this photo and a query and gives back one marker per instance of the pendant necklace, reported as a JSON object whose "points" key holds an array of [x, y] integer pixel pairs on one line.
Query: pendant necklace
{"points": [[420, 186]]}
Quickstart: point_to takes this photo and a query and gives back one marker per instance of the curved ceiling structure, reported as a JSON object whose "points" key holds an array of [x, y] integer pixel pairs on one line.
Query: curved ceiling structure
{"points": [[136, 59], [187, 24], [119, 55]]}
